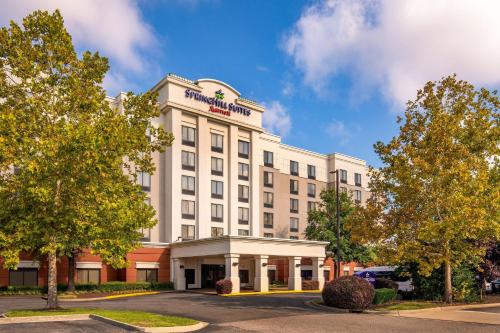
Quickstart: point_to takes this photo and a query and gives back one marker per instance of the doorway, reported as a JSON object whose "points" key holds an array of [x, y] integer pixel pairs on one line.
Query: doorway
{"points": [[210, 274]]}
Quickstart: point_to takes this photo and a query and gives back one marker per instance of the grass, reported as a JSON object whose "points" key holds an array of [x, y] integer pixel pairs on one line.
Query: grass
{"points": [[137, 318], [408, 306]]}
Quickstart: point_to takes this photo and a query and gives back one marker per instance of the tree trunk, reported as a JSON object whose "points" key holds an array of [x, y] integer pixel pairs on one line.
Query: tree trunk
{"points": [[447, 297], [52, 283], [71, 272]]}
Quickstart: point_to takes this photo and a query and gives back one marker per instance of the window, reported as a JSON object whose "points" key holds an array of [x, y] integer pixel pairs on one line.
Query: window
{"points": [[294, 237], [187, 185], [217, 212], [268, 199], [343, 189], [268, 235], [243, 193], [268, 220], [294, 206], [187, 160], [357, 196], [268, 179], [343, 176], [217, 166], [242, 215], [23, 277], [217, 232], [243, 149], [311, 190], [147, 275], [311, 205], [268, 158], [217, 189], [311, 171], [187, 231], [346, 273], [243, 232], [217, 143], [144, 179], [88, 276], [243, 171], [294, 186], [294, 168], [187, 209], [294, 224], [357, 179], [146, 232], [188, 136]]}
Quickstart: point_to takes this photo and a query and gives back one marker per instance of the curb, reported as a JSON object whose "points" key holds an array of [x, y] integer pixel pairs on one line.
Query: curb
{"points": [[277, 292], [437, 308], [111, 297], [325, 308], [42, 319]]}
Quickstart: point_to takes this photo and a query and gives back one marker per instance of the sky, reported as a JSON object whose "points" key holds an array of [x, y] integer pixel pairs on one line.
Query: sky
{"points": [[333, 75]]}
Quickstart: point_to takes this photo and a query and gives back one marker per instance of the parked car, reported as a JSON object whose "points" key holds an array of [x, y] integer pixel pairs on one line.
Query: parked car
{"points": [[488, 287], [495, 286], [389, 272]]}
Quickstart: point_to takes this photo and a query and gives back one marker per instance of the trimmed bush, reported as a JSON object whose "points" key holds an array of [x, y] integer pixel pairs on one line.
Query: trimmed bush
{"points": [[310, 285], [348, 292], [384, 295], [386, 283], [224, 287]]}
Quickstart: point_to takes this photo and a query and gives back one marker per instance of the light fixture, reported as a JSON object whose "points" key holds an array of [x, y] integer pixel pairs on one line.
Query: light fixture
{"points": [[236, 263], [181, 266], [297, 265], [264, 264]]}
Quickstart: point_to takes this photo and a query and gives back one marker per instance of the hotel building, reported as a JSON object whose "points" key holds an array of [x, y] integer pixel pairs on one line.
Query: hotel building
{"points": [[231, 199]]}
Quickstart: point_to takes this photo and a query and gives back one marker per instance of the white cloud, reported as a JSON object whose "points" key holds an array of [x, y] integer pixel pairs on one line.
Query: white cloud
{"points": [[115, 28], [276, 118], [261, 68], [397, 46], [288, 88], [338, 130]]}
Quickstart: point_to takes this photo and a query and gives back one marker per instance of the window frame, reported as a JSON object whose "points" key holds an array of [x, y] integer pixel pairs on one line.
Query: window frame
{"points": [[188, 155], [217, 218], [266, 204], [241, 167], [188, 227], [356, 176], [188, 215], [292, 172], [219, 232], [241, 145], [294, 190], [343, 176], [241, 193], [216, 148], [217, 195], [295, 211], [268, 216], [311, 171], [268, 155], [217, 172], [188, 179], [266, 179], [186, 141], [313, 193], [295, 219], [241, 216]]}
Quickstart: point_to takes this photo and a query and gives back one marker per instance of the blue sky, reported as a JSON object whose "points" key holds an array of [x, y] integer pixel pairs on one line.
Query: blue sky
{"points": [[333, 75]]}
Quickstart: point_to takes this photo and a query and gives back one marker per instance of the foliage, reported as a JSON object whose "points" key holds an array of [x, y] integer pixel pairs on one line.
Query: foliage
{"points": [[465, 286], [310, 285], [348, 292], [68, 159], [224, 286], [384, 295], [436, 200], [386, 283], [322, 226]]}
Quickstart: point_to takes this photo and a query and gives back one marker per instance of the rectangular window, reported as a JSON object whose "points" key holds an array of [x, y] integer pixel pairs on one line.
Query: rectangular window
{"points": [[217, 213], [268, 199], [243, 193], [243, 215], [343, 189], [243, 149], [217, 166], [146, 232], [187, 185], [23, 277], [187, 209], [294, 205], [294, 168], [268, 179], [217, 189], [147, 275], [294, 237], [357, 196], [144, 179], [268, 235], [294, 224], [243, 232], [311, 190], [187, 232], [217, 143], [243, 171], [217, 232], [268, 220], [294, 186], [88, 276], [357, 179], [343, 176], [311, 205], [311, 171], [268, 159], [188, 136], [187, 160]]}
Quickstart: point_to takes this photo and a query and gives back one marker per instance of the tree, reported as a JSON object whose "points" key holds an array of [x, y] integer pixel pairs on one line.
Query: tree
{"points": [[435, 201], [68, 161], [322, 226]]}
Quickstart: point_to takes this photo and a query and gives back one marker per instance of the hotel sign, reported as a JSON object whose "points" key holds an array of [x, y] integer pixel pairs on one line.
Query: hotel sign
{"points": [[217, 103]]}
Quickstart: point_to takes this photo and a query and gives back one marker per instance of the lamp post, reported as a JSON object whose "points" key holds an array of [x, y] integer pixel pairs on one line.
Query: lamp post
{"points": [[337, 264]]}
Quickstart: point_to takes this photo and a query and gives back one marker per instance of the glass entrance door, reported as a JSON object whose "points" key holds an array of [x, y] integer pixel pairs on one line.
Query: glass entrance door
{"points": [[210, 274]]}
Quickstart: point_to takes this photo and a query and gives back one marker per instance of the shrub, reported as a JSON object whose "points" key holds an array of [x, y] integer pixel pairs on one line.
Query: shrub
{"points": [[386, 283], [384, 295], [348, 292], [310, 285], [224, 286]]}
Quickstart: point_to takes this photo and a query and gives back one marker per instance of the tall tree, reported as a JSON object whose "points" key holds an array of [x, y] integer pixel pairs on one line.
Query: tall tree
{"points": [[436, 201], [322, 226], [68, 161]]}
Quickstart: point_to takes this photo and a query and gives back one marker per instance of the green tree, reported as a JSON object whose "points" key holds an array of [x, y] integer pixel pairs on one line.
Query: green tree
{"points": [[68, 161], [322, 226], [436, 201]]}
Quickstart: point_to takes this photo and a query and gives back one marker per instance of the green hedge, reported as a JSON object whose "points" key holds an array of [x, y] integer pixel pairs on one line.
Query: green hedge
{"points": [[384, 295]]}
